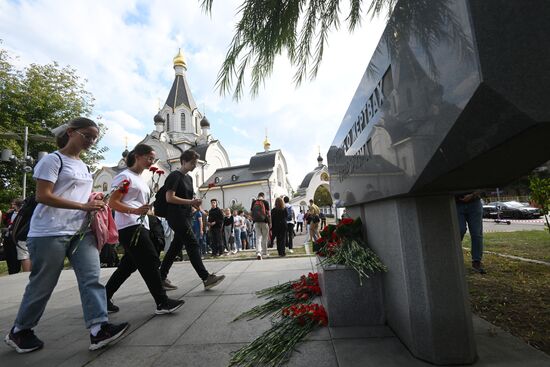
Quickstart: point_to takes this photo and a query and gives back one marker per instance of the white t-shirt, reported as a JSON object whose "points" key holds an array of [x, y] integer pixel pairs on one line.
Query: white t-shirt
{"points": [[300, 217], [74, 183], [237, 221], [138, 195]]}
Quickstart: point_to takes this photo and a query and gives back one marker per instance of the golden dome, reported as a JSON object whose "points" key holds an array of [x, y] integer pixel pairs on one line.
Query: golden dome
{"points": [[267, 144], [179, 60]]}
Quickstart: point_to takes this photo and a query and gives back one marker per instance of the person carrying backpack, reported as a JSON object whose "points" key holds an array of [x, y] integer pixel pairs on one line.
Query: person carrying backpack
{"points": [[179, 196], [54, 234], [259, 211]]}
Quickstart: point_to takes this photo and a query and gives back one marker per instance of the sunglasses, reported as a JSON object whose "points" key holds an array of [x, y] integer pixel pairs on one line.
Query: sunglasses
{"points": [[91, 139]]}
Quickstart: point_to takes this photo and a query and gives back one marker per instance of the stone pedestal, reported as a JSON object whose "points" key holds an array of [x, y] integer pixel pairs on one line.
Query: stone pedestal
{"points": [[425, 292], [347, 303]]}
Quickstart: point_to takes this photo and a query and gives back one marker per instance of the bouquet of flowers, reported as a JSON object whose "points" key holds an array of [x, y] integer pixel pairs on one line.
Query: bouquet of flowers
{"points": [[274, 346], [284, 295], [154, 187], [343, 244], [123, 187]]}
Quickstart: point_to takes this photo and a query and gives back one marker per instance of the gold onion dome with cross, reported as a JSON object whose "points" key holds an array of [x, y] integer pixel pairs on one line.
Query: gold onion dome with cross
{"points": [[179, 60]]}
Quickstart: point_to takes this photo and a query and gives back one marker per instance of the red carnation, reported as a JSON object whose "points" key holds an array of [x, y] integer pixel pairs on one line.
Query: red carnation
{"points": [[124, 186], [160, 172], [211, 185], [153, 169], [346, 221]]}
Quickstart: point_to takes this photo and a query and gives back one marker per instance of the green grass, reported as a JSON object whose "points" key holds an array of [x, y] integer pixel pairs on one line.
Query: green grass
{"points": [[529, 244], [514, 295]]}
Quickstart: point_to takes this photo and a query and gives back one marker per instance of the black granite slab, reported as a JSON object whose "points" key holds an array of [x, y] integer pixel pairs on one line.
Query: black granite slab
{"points": [[455, 97]]}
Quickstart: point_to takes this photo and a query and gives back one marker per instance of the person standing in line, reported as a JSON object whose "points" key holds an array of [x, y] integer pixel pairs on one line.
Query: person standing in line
{"points": [[250, 230], [206, 234], [244, 231], [307, 221], [470, 211], [198, 229], [290, 218], [279, 225], [228, 223], [237, 227], [300, 221], [179, 196], [63, 186], [215, 223], [261, 218], [129, 205], [10, 247], [314, 212]]}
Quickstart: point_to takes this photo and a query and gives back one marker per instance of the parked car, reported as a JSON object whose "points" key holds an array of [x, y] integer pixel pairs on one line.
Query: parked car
{"points": [[490, 211], [514, 209]]}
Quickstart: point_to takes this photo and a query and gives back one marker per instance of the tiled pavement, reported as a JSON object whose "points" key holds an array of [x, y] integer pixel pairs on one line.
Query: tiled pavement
{"points": [[201, 332]]}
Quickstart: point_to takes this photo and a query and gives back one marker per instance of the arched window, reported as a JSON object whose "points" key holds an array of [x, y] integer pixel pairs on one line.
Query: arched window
{"points": [[182, 120], [197, 182], [279, 176], [197, 127], [167, 122], [105, 188]]}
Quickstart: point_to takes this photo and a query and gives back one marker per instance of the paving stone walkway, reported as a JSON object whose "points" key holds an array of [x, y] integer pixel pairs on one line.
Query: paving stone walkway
{"points": [[201, 332]]}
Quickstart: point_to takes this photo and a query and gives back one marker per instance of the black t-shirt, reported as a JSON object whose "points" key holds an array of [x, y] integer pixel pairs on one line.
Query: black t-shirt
{"points": [[182, 185], [215, 215]]}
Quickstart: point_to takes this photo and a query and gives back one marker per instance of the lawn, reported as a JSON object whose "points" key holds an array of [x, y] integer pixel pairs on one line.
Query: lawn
{"points": [[529, 244], [514, 295]]}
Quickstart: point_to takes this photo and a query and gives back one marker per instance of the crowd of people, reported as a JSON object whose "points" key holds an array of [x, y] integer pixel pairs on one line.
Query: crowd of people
{"points": [[60, 227]]}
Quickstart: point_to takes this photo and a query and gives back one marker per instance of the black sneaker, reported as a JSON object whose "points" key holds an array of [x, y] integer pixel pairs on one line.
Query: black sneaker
{"points": [[169, 306], [168, 286], [111, 307], [107, 334], [24, 341], [213, 280]]}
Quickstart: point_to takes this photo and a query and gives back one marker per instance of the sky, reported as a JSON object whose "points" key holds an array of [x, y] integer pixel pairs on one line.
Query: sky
{"points": [[124, 51]]}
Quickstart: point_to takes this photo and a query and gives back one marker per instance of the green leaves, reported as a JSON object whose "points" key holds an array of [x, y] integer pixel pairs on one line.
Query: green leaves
{"points": [[40, 97], [268, 28]]}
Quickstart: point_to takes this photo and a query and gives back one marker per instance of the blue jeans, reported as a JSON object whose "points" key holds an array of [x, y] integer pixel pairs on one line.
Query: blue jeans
{"points": [[237, 234], [471, 213], [47, 256]]}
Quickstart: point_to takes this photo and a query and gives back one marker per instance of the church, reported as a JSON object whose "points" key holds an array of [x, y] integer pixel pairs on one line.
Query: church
{"points": [[180, 125]]}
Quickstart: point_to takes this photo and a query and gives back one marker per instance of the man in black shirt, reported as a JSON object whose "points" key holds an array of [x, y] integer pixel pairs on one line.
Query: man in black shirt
{"points": [[215, 222], [179, 196]]}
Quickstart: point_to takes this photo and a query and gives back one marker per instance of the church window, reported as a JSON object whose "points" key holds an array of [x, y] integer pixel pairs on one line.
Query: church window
{"points": [[234, 178], [167, 122], [105, 188], [182, 121], [217, 180], [197, 182], [279, 176]]}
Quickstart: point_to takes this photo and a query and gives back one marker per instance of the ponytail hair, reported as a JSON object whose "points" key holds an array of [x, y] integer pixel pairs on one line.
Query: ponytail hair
{"points": [[60, 132], [140, 149]]}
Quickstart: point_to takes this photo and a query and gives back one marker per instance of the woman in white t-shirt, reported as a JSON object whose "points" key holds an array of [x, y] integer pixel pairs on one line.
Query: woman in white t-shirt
{"points": [[129, 205], [63, 186]]}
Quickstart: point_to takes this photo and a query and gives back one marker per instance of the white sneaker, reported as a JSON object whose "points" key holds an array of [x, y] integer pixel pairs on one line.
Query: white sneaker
{"points": [[259, 256], [291, 251], [234, 251]]}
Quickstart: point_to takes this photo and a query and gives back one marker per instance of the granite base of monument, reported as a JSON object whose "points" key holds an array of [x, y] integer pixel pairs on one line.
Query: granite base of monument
{"points": [[347, 302]]}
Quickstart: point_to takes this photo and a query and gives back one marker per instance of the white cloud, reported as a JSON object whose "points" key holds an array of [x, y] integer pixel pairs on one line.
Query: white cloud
{"points": [[124, 49]]}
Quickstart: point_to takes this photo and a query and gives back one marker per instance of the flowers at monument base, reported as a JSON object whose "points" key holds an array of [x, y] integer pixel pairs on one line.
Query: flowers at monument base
{"points": [[343, 244], [294, 316], [282, 295]]}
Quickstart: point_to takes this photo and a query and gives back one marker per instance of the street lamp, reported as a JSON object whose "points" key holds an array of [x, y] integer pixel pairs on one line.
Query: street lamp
{"points": [[27, 161]]}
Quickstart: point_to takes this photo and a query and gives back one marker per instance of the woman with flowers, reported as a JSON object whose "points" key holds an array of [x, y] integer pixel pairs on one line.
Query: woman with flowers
{"points": [[130, 200], [63, 185]]}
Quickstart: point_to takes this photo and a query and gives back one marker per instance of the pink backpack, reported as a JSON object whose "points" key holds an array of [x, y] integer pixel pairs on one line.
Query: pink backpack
{"points": [[103, 224]]}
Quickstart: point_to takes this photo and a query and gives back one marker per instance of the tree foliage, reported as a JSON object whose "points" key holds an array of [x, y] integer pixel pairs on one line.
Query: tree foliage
{"points": [[39, 97], [540, 194], [322, 197], [299, 27]]}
